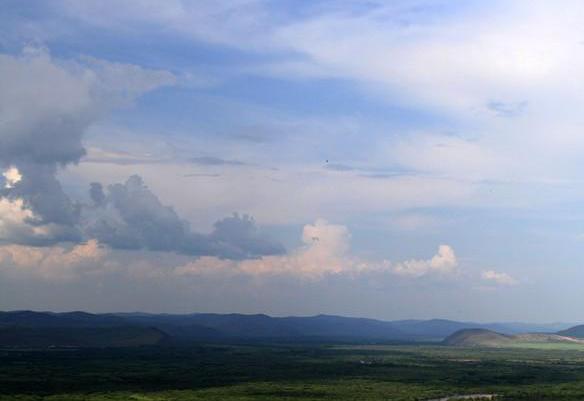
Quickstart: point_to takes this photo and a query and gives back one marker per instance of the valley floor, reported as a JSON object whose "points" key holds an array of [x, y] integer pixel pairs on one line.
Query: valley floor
{"points": [[291, 372]]}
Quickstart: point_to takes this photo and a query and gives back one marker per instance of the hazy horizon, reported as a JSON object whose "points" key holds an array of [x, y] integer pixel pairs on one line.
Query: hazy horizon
{"points": [[543, 323], [392, 160]]}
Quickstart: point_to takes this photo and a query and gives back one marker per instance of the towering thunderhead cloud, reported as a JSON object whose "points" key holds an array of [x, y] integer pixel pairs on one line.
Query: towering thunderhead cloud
{"points": [[45, 108]]}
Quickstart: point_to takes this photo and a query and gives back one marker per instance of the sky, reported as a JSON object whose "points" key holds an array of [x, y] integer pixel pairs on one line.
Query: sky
{"points": [[385, 159]]}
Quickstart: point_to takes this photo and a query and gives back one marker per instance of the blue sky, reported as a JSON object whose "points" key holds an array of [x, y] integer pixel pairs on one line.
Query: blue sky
{"points": [[408, 159]]}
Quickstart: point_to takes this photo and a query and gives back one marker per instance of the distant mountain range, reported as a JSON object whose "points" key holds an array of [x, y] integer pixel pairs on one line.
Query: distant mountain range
{"points": [[81, 329]]}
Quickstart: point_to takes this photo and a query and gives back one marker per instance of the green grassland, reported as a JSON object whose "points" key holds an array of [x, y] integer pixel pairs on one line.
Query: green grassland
{"points": [[547, 346], [291, 372]]}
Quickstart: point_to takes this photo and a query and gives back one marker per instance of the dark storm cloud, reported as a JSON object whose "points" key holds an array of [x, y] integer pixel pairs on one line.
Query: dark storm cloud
{"points": [[45, 108], [96, 194], [43, 194], [238, 237], [44, 111], [130, 216]]}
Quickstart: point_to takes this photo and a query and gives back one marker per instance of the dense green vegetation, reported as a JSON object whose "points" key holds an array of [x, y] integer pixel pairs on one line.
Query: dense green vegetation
{"points": [[290, 372]]}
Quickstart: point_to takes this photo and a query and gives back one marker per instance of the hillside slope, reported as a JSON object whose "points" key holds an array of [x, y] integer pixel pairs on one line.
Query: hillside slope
{"points": [[489, 338], [547, 338], [66, 319], [576, 331], [263, 326], [477, 338]]}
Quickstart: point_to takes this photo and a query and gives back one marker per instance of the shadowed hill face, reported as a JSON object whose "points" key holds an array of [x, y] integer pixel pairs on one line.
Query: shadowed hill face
{"points": [[263, 326], [68, 319], [74, 329], [477, 338], [123, 336], [432, 329], [576, 331]]}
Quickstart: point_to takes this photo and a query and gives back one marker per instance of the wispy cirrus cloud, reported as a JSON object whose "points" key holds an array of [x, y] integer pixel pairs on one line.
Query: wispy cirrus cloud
{"points": [[215, 161], [508, 70]]}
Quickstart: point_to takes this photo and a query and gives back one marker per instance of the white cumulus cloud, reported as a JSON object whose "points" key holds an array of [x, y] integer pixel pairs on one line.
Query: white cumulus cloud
{"points": [[444, 262], [11, 177], [55, 263], [498, 277], [325, 251]]}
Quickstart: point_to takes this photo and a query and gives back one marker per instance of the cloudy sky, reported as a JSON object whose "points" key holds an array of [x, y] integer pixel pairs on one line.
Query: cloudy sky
{"points": [[403, 159]]}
